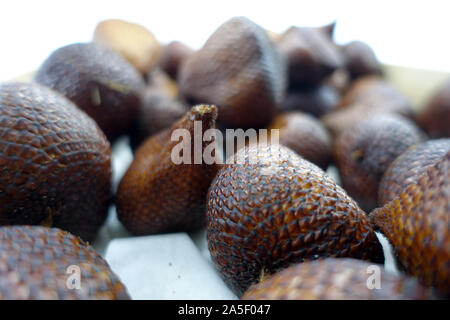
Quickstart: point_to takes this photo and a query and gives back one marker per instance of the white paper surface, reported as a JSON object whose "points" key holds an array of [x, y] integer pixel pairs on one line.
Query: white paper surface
{"points": [[165, 267]]}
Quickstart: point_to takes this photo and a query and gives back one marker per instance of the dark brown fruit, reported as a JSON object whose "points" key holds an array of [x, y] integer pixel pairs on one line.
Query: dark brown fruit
{"points": [[239, 70], [316, 101], [158, 112], [417, 224], [336, 279], [360, 59], [38, 263], [305, 135], [364, 152], [409, 166], [367, 97], [173, 56], [99, 81], [134, 42], [156, 195], [310, 55], [55, 163], [275, 209], [435, 117]]}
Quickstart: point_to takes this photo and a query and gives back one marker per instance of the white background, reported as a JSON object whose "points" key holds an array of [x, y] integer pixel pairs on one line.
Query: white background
{"points": [[408, 33]]}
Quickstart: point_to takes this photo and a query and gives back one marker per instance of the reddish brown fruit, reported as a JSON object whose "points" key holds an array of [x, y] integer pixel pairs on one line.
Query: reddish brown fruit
{"points": [[134, 42], [37, 263], [310, 54], [174, 55], [409, 166], [158, 112], [367, 97], [360, 59], [435, 117], [239, 70], [317, 101], [55, 163], [275, 209], [336, 279], [363, 153], [99, 81], [417, 224], [305, 135], [156, 195]]}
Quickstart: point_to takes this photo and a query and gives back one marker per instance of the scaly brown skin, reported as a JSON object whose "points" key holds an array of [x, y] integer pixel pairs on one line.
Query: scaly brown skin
{"points": [[99, 81], [364, 152], [173, 56], [337, 279], [35, 261], [158, 196], [305, 135], [239, 71], [134, 42], [435, 116], [317, 101], [310, 54], [55, 162], [360, 59], [417, 224], [409, 166], [158, 112], [263, 216]]}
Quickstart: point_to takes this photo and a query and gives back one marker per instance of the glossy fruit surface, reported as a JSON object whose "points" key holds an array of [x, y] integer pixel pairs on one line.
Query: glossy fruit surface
{"points": [[337, 279], [409, 166], [38, 263], [239, 71], [271, 208], [364, 152], [99, 81], [55, 163], [417, 224], [157, 195]]}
